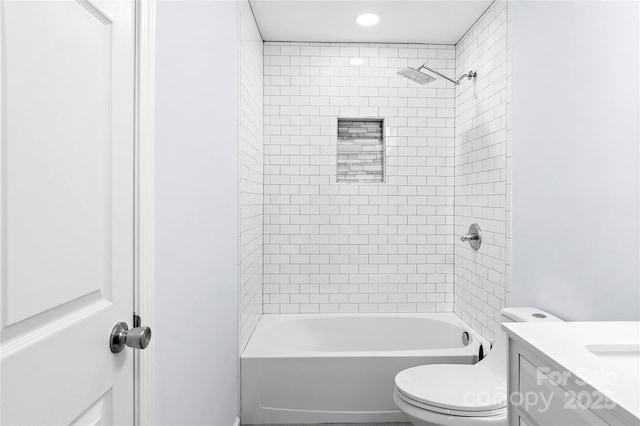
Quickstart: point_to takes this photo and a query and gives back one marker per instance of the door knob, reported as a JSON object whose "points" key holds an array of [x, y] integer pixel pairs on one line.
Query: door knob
{"points": [[121, 336]]}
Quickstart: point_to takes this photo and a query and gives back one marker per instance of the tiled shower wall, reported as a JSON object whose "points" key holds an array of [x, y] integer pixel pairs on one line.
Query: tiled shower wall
{"points": [[481, 171], [357, 247], [250, 146]]}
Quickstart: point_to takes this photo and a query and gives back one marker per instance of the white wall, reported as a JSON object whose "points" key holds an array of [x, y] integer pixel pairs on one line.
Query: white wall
{"points": [[349, 247], [251, 151], [196, 305], [575, 158], [481, 171]]}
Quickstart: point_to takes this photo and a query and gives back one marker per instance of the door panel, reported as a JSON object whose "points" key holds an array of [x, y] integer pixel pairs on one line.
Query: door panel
{"points": [[58, 241], [67, 210], [97, 414]]}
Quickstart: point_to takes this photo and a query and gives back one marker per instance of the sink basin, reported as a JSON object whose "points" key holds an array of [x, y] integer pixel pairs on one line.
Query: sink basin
{"points": [[623, 357]]}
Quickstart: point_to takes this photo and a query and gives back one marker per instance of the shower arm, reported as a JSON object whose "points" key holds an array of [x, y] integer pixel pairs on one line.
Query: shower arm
{"points": [[469, 75]]}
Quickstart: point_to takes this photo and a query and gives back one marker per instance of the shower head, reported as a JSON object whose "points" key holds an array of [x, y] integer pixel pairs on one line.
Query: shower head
{"points": [[419, 77], [416, 75]]}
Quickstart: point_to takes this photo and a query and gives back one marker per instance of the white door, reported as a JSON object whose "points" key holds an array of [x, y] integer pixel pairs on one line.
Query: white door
{"points": [[67, 210]]}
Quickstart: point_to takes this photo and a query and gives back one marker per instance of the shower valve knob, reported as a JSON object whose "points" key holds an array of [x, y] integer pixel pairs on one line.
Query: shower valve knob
{"points": [[474, 236]]}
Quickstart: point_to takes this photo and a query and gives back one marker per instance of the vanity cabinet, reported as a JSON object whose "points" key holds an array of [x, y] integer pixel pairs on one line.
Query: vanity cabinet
{"points": [[541, 393]]}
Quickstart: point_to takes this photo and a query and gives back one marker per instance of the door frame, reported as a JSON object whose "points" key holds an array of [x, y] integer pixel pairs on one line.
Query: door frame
{"points": [[145, 15]]}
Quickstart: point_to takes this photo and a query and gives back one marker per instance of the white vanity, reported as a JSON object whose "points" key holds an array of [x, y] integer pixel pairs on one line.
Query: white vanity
{"points": [[574, 373]]}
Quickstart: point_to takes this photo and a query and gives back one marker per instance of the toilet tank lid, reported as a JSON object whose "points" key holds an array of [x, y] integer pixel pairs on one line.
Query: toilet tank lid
{"points": [[527, 314]]}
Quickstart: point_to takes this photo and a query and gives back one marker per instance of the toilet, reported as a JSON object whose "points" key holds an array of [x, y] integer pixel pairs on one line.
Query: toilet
{"points": [[463, 395]]}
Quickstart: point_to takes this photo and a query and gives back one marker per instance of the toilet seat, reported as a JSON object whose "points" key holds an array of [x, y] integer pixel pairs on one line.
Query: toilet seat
{"points": [[458, 390]]}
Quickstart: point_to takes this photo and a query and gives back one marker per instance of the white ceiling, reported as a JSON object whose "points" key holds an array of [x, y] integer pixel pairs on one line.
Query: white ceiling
{"points": [[401, 21]]}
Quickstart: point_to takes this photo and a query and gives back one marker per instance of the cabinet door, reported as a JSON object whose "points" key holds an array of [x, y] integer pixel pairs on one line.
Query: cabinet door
{"points": [[547, 403]]}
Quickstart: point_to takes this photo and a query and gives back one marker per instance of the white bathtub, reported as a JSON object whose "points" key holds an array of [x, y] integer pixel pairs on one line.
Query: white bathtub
{"points": [[340, 368]]}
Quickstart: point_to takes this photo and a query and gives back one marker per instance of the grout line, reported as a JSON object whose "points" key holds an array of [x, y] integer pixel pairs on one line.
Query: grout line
{"points": [[342, 43]]}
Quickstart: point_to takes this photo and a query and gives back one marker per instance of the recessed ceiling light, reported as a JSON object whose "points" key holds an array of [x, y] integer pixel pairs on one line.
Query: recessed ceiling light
{"points": [[367, 19], [356, 61]]}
